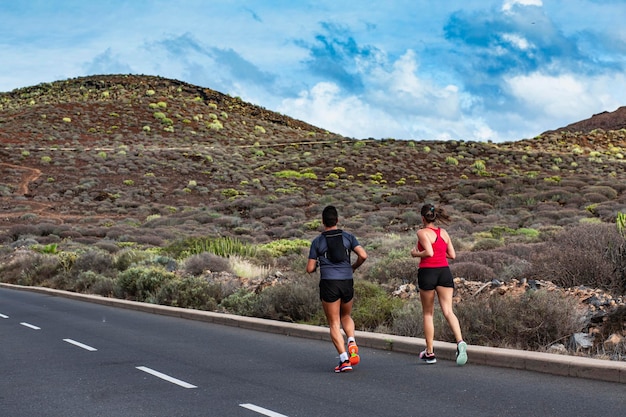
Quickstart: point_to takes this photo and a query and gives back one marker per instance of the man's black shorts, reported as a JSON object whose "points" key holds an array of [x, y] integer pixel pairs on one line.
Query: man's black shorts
{"points": [[332, 290], [429, 278]]}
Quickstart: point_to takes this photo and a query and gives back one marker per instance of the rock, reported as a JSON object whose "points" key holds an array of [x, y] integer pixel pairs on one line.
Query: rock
{"points": [[558, 348], [405, 291], [581, 341], [613, 341]]}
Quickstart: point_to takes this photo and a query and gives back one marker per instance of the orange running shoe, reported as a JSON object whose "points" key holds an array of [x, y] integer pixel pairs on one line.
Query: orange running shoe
{"points": [[353, 352], [343, 367]]}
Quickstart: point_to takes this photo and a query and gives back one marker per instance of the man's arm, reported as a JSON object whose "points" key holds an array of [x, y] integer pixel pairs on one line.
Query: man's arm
{"points": [[361, 257], [311, 266]]}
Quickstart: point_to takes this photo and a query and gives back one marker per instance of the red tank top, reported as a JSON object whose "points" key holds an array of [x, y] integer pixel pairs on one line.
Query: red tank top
{"points": [[440, 248]]}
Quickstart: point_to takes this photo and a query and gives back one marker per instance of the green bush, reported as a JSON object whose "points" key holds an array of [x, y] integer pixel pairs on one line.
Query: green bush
{"points": [[143, 283], [190, 292], [293, 301], [242, 302], [91, 282], [221, 246], [373, 307], [127, 257], [35, 269], [281, 247], [93, 260]]}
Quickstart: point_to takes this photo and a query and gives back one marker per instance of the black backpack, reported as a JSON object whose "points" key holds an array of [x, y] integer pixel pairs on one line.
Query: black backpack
{"points": [[336, 252]]}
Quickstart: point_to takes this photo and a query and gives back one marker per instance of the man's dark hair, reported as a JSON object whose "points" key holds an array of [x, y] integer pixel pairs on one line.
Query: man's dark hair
{"points": [[330, 217]]}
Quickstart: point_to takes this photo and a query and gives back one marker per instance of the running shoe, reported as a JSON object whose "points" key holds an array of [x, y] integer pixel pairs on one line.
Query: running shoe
{"points": [[343, 367], [461, 353], [428, 357], [353, 351]]}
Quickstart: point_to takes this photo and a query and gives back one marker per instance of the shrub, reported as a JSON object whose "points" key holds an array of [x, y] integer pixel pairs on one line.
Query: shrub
{"points": [[450, 160], [472, 271], [281, 247], [143, 283], [29, 268], [246, 269], [408, 320], [393, 269], [205, 261], [91, 282], [93, 260], [242, 302], [532, 321], [190, 292], [487, 244], [293, 301], [585, 254], [222, 246], [475, 265], [127, 257], [373, 307]]}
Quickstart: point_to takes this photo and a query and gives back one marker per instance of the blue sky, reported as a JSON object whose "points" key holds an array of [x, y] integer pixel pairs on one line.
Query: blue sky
{"points": [[406, 69]]}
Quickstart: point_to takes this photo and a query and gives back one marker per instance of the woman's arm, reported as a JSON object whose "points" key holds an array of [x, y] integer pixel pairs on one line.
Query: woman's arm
{"points": [[424, 241], [450, 252]]}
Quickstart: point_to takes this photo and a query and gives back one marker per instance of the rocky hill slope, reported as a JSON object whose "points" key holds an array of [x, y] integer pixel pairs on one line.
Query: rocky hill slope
{"points": [[615, 120], [139, 161], [114, 147]]}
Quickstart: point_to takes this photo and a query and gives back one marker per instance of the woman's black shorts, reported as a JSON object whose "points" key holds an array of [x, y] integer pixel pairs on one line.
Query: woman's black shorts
{"points": [[332, 290], [429, 278]]}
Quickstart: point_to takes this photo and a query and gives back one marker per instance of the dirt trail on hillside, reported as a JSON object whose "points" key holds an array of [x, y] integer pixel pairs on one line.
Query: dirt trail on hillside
{"points": [[21, 196], [29, 176]]}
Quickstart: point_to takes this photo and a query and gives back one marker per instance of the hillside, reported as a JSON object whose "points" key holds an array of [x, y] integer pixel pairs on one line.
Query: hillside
{"points": [[615, 120], [119, 149], [107, 174]]}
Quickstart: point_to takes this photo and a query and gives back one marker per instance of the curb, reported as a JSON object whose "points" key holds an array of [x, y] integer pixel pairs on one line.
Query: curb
{"points": [[550, 363]]}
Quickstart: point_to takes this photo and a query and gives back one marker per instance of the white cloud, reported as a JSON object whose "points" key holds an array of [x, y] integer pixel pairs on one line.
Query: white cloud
{"points": [[556, 101], [509, 4], [398, 103], [517, 41], [324, 105]]}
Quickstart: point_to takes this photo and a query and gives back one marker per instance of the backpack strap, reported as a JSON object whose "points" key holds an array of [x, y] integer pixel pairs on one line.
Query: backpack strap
{"points": [[336, 251]]}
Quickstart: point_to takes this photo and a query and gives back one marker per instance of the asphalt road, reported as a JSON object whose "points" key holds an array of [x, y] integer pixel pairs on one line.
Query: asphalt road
{"points": [[62, 357]]}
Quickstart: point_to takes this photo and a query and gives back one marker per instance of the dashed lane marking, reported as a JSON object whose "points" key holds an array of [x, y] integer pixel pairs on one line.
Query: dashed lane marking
{"points": [[2, 316], [30, 326], [80, 345], [262, 410], [166, 377]]}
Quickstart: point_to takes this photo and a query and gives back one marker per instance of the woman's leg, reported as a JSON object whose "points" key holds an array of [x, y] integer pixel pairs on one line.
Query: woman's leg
{"points": [[445, 301], [427, 298]]}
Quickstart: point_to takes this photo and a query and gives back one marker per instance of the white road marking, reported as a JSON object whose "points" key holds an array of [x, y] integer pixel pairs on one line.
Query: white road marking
{"points": [[2, 316], [166, 377], [80, 345], [262, 410], [31, 326]]}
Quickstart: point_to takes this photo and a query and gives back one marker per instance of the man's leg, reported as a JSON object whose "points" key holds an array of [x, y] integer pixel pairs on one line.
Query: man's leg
{"points": [[334, 318], [346, 318]]}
